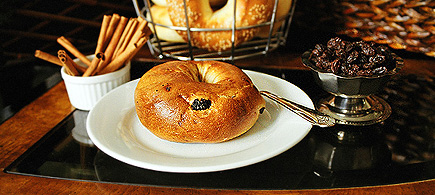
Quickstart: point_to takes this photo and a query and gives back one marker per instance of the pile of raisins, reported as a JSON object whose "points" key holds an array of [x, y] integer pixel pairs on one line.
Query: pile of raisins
{"points": [[353, 58]]}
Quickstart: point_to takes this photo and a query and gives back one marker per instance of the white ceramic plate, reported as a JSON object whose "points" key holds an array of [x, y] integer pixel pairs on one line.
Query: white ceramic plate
{"points": [[114, 128]]}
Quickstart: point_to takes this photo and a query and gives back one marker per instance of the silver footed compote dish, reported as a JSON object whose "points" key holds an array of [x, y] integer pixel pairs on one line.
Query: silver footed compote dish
{"points": [[353, 100]]}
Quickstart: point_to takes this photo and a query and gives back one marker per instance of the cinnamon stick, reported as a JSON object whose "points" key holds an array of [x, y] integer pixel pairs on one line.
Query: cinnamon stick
{"points": [[101, 44], [79, 68], [102, 35], [47, 57], [128, 37], [108, 53], [119, 40], [138, 39], [69, 67], [125, 37], [93, 67], [71, 48], [125, 56], [140, 43], [140, 29], [114, 19]]}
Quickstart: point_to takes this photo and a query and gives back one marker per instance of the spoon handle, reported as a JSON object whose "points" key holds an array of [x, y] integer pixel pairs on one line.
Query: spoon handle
{"points": [[313, 116]]}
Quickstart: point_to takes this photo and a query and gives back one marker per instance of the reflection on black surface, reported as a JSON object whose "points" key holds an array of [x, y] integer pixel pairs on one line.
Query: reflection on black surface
{"points": [[58, 154], [350, 148], [23, 83], [335, 157]]}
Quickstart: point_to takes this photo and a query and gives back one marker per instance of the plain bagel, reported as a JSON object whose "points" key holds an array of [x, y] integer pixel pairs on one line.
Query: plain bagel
{"points": [[197, 102], [160, 16], [201, 15]]}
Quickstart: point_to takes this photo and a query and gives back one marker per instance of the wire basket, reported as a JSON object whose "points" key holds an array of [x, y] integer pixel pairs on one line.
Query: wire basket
{"points": [[186, 51], [400, 24]]}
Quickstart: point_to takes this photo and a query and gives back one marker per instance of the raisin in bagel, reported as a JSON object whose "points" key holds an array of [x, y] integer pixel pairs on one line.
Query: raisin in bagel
{"points": [[197, 102], [201, 15]]}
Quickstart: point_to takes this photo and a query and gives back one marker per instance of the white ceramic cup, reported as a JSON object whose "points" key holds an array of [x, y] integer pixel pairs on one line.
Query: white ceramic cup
{"points": [[84, 92]]}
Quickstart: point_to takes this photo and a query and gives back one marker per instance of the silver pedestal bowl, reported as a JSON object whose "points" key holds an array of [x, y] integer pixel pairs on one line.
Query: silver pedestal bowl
{"points": [[352, 100]]}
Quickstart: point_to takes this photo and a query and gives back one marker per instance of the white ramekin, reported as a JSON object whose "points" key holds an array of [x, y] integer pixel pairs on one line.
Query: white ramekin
{"points": [[84, 92]]}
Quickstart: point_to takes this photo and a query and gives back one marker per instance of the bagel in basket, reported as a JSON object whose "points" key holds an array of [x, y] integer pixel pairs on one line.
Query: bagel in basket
{"points": [[197, 102], [160, 16], [201, 15]]}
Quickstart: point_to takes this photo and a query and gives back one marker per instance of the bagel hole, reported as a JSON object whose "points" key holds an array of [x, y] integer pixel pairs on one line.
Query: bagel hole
{"points": [[217, 5]]}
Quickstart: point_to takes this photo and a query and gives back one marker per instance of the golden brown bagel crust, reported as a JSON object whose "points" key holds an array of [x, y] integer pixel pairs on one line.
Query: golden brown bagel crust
{"points": [[164, 95], [201, 15], [160, 16]]}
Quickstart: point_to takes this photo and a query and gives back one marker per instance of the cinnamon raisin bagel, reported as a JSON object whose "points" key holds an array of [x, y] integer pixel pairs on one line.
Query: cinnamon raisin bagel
{"points": [[197, 102], [201, 15]]}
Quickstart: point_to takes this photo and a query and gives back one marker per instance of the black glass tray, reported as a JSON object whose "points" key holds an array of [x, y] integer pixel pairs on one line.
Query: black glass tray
{"points": [[399, 150]]}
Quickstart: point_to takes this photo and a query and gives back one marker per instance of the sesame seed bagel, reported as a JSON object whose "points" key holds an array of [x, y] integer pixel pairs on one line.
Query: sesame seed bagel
{"points": [[201, 15], [197, 102]]}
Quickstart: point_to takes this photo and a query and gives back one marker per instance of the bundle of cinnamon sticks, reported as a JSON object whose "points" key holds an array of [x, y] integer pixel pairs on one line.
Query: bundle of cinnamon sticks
{"points": [[119, 40]]}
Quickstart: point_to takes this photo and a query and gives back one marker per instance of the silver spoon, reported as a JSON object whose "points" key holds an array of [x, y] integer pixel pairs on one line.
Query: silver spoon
{"points": [[313, 116]]}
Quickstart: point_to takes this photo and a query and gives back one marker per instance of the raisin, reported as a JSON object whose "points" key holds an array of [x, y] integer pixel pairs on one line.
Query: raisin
{"points": [[368, 65], [350, 47], [378, 59], [335, 43], [383, 49], [321, 48], [352, 58], [335, 65], [364, 72], [315, 53], [202, 104], [363, 59], [380, 70], [367, 49]]}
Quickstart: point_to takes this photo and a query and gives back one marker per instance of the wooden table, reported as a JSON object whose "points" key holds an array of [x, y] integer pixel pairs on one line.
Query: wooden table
{"points": [[31, 123]]}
